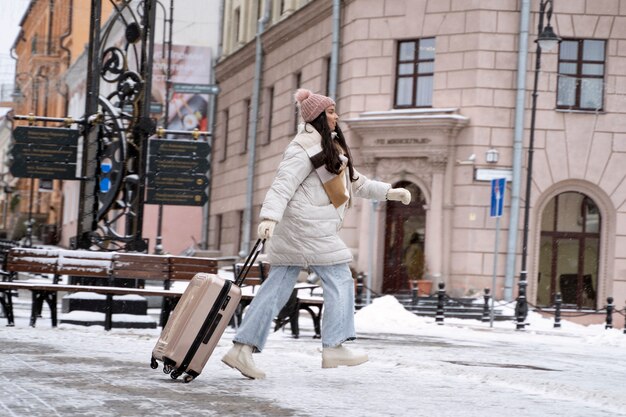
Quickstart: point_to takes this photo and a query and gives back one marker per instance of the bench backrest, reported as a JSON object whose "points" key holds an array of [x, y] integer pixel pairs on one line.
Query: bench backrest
{"points": [[107, 264], [256, 275], [32, 260], [183, 268], [140, 266]]}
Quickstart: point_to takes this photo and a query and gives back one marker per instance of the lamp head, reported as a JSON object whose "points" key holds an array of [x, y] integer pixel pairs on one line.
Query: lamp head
{"points": [[547, 39]]}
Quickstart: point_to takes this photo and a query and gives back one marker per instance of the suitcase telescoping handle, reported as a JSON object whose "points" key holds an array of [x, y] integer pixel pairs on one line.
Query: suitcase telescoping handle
{"points": [[249, 261]]}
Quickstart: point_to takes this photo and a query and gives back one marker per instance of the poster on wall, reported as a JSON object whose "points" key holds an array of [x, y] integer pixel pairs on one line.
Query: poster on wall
{"points": [[190, 90]]}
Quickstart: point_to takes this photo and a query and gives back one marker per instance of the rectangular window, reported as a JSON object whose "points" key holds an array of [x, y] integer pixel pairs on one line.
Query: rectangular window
{"points": [[297, 80], [414, 73], [218, 232], [246, 125], [225, 128], [581, 74], [236, 25], [240, 231], [327, 76], [45, 185], [268, 114]]}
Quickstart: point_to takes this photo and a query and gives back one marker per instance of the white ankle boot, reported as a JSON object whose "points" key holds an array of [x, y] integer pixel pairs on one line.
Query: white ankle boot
{"points": [[341, 356], [239, 357]]}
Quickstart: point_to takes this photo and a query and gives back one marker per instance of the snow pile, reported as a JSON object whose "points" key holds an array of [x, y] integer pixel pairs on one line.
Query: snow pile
{"points": [[387, 315]]}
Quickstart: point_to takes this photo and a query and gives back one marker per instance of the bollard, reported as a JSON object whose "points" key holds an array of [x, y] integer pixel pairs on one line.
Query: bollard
{"points": [[557, 310], [486, 316], [609, 313], [441, 293], [359, 288], [624, 321], [521, 308], [414, 293]]}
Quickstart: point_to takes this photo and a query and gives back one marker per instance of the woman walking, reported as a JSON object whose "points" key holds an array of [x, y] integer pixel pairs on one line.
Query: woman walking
{"points": [[301, 216]]}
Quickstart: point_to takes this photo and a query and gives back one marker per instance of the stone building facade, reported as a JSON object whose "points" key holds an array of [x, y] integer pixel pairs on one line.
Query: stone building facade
{"points": [[431, 97], [52, 35]]}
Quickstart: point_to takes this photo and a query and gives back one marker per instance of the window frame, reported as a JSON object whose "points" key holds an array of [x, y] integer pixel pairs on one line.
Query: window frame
{"points": [[297, 80], [247, 103], [415, 75], [225, 133], [579, 76], [268, 119]]}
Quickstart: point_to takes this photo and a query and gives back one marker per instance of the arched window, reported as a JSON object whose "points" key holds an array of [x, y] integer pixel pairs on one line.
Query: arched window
{"points": [[570, 250]]}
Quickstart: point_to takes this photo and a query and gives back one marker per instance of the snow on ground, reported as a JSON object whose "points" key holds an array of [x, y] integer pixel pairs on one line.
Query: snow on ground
{"points": [[416, 368]]}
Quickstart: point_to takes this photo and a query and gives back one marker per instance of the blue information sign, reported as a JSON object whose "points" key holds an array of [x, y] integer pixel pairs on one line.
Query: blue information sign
{"points": [[498, 185]]}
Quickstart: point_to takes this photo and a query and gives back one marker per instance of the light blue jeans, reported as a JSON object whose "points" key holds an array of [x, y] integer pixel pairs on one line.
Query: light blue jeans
{"points": [[338, 317]]}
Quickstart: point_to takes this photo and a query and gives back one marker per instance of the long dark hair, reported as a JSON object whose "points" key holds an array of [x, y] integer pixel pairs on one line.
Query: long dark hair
{"points": [[331, 153]]}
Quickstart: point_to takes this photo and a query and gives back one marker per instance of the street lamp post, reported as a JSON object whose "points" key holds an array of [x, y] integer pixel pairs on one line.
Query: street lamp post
{"points": [[158, 247], [546, 40], [18, 97]]}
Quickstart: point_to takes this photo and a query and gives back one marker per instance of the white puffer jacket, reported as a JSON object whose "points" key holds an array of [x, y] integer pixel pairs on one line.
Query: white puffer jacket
{"points": [[308, 224]]}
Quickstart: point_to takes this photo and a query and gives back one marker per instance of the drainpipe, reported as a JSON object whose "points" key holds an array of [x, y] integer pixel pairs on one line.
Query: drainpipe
{"points": [[334, 53], [65, 35], [254, 113], [518, 144], [206, 211], [50, 22]]}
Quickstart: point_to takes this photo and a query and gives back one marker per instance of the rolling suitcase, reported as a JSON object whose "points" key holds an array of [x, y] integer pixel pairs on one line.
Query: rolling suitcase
{"points": [[198, 322]]}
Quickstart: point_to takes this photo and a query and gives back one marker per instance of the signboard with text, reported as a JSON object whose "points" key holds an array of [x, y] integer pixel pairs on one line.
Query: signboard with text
{"points": [[177, 172], [44, 152]]}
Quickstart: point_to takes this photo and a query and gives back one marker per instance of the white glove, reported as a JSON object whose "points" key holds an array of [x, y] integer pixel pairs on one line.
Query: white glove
{"points": [[399, 194], [266, 229]]}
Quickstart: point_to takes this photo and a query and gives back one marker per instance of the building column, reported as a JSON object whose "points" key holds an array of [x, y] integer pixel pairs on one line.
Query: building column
{"points": [[434, 228]]}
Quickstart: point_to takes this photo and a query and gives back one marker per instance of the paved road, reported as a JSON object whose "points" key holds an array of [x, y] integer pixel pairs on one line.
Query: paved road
{"points": [[443, 371]]}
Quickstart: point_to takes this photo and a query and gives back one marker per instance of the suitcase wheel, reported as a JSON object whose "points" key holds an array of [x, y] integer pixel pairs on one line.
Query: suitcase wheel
{"points": [[175, 374], [187, 379], [153, 363], [167, 369]]}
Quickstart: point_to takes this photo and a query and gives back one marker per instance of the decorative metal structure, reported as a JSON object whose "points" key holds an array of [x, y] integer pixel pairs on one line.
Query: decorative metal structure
{"points": [[117, 128], [169, 20]]}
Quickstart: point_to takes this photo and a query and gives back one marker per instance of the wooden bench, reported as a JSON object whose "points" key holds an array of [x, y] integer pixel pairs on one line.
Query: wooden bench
{"points": [[301, 299], [6, 296], [109, 273], [255, 277]]}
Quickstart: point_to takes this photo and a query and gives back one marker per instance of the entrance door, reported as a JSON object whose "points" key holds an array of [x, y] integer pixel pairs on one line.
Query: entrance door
{"points": [[404, 241], [570, 250]]}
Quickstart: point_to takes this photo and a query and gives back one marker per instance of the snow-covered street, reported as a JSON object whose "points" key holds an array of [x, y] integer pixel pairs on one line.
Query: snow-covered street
{"points": [[416, 368]]}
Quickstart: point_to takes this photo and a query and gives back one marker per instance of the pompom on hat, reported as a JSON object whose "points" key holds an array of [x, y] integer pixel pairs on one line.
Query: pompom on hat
{"points": [[311, 104]]}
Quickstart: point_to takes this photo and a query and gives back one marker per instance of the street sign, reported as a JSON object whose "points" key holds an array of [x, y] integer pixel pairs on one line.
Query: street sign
{"points": [[186, 88], [44, 152], [177, 172], [498, 185], [179, 198], [175, 182], [46, 135], [487, 174], [180, 148], [171, 188], [37, 169], [181, 166]]}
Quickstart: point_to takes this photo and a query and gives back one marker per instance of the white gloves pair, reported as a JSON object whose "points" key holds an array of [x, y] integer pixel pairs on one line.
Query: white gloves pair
{"points": [[399, 194], [266, 229]]}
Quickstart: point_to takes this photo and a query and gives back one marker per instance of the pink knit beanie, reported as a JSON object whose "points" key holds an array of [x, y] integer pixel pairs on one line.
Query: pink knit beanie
{"points": [[311, 104]]}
